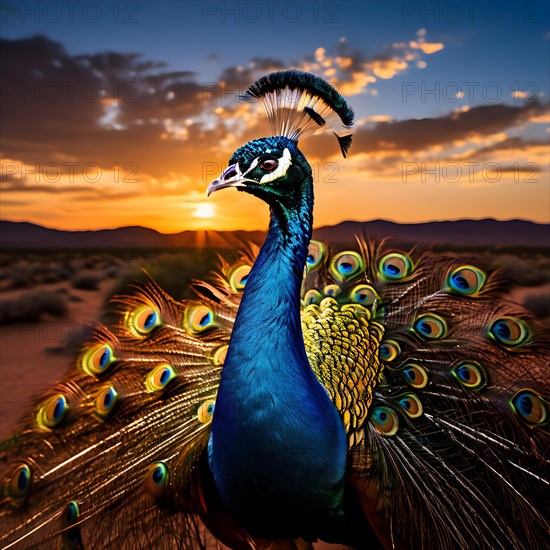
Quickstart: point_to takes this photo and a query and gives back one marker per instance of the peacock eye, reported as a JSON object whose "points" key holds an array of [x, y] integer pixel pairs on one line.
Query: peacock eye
{"points": [[470, 375], [363, 294], [466, 279], [411, 405], [332, 290], [268, 165], [143, 320], [160, 377], [71, 533], [315, 254], [18, 484], [384, 420], [52, 412], [105, 401], [157, 478], [205, 411], [415, 375], [220, 355], [509, 332], [389, 350], [346, 265], [430, 326], [98, 359], [530, 406], [238, 278], [199, 319], [395, 266], [312, 296]]}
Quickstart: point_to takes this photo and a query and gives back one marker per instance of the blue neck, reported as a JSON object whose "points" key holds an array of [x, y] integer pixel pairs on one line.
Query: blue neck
{"points": [[278, 447]]}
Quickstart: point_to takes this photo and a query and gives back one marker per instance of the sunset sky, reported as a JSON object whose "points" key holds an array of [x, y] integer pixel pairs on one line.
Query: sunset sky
{"points": [[120, 113]]}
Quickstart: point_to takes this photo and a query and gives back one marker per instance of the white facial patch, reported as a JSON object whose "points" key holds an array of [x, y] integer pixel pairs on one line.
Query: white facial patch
{"points": [[252, 165], [281, 170]]}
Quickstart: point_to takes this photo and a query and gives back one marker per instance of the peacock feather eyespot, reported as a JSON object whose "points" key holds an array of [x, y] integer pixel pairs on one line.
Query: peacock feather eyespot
{"points": [[312, 296], [105, 401], [18, 484], [72, 511], [430, 326], [395, 266], [332, 291], [509, 332], [411, 405], [415, 375], [157, 478], [220, 355], [206, 411], [470, 375], [159, 378], [199, 319], [530, 407], [52, 412], [466, 279], [238, 277], [70, 534], [389, 350], [364, 295], [315, 254], [346, 265], [384, 420], [143, 320], [97, 359]]}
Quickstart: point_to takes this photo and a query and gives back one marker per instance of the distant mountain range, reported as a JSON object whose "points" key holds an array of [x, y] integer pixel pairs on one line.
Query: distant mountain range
{"points": [[14, 235]]}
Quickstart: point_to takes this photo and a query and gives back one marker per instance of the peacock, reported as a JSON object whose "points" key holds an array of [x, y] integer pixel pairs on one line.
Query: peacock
{"points": [[373, 397]]}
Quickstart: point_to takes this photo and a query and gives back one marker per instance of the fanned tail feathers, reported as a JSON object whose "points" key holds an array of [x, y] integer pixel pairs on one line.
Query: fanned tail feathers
{"points": [[441, 383], [455, 450], [139, 395]]}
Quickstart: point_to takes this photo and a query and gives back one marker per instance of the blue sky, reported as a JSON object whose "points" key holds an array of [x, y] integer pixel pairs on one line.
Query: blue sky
{"points": [[505, 42]]}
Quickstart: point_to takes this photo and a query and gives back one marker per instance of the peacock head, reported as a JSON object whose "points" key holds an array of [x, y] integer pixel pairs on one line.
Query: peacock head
{"points": [[297, 104], [273, 169]]}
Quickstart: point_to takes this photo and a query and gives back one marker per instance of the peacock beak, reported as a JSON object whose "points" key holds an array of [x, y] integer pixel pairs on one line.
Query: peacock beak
{"points": [[230, 177]]}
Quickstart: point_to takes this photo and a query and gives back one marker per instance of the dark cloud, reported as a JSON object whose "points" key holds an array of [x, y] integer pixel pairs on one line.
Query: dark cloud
{"points": [[512, 143], [106, 107], [530, 168], [421, 134]]}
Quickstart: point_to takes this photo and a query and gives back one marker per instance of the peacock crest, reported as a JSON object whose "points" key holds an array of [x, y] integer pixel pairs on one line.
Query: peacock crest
{"points": [[300, 104]]}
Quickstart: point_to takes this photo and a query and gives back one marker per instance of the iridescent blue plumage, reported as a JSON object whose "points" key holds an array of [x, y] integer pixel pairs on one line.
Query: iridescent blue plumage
{"points": [[268, 392]]}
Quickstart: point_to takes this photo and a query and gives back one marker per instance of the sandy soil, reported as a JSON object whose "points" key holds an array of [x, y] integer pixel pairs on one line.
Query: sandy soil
{"points": [[29, 363]]}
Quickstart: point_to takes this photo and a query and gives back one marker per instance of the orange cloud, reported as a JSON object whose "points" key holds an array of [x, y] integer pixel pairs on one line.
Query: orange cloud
{"points": [[427, 47]]}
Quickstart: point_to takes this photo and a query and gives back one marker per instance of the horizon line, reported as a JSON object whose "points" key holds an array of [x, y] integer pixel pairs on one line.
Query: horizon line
{"points": [[489, 218]]}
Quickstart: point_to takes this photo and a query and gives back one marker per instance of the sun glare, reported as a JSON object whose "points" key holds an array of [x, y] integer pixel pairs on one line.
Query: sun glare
{"points": [[204, 210]]}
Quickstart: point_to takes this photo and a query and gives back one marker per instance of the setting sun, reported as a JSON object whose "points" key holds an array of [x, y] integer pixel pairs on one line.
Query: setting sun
{"points": [[204, 210]]}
